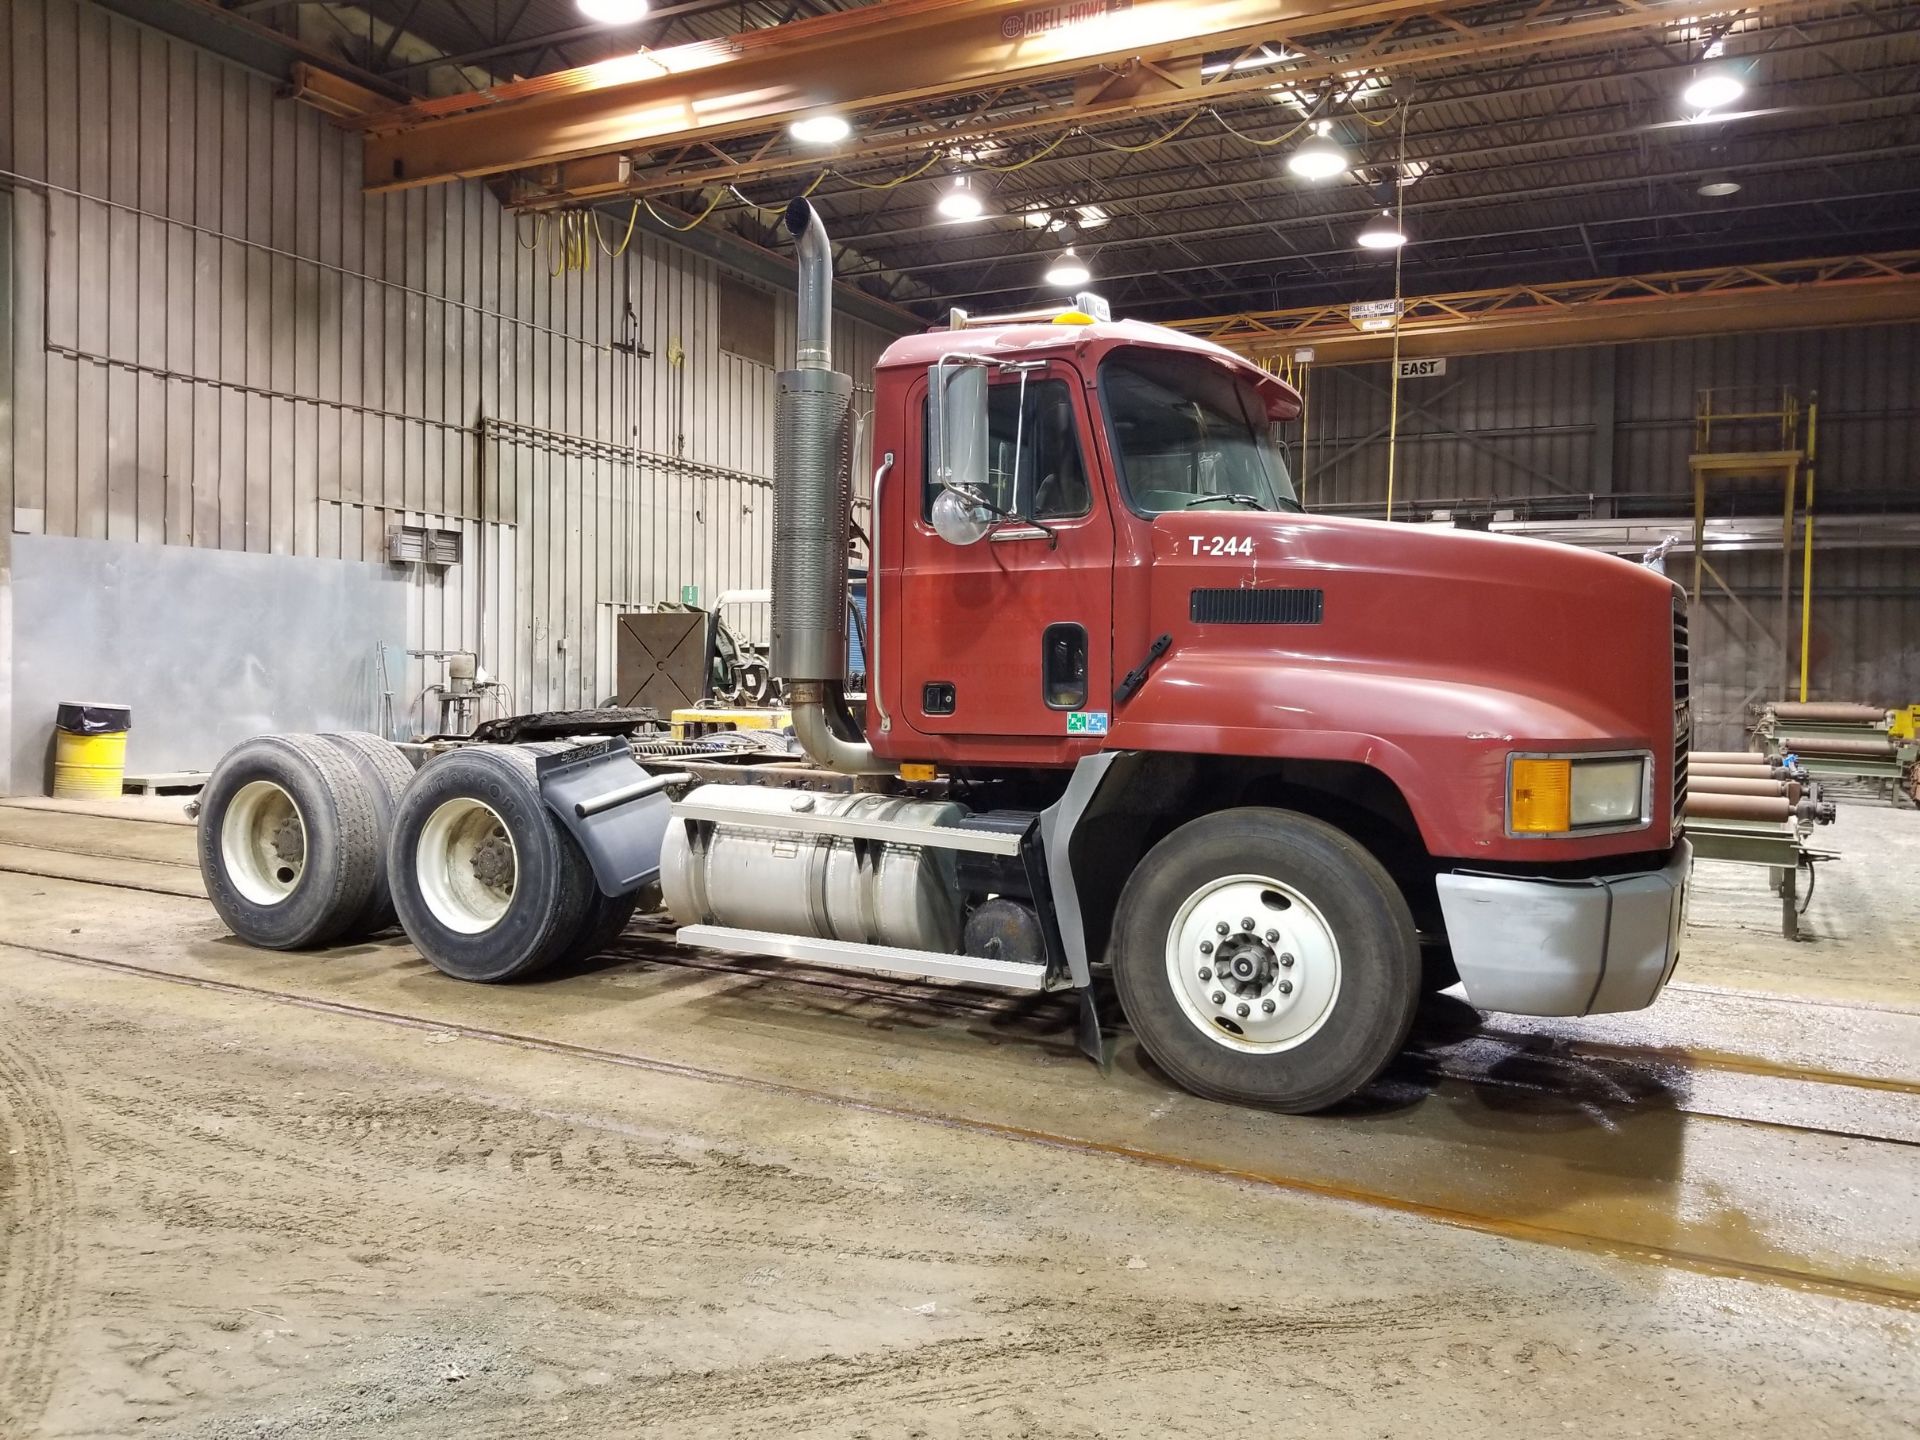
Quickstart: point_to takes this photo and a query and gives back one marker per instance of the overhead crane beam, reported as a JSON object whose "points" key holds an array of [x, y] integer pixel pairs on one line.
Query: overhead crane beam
{"points": [[639, 124], [1678, 304]]}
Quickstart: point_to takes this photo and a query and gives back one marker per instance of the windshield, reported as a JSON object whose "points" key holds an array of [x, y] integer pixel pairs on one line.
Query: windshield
{"points": [[1191, 435]]}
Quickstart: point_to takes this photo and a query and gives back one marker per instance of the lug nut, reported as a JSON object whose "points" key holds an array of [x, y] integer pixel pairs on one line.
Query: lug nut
{"points": [[1272, 936], [1247, 924], [1267, 1006], [1218, 998], [1286, 987], [1220, 927], [1206, 947], [1205, 973], [1241, 1011], [1286, 960]]}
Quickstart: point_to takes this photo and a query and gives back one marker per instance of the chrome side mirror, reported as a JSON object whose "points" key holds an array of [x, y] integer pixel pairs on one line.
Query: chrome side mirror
{"points": [[957, 448], [959, 518]]}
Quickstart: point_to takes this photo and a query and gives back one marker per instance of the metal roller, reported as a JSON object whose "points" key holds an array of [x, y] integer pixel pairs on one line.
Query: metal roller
{"points": [[1756, 807], [1829, 712], [1761, 771], [1725, 757], [1868, 747], [1721, 785]]}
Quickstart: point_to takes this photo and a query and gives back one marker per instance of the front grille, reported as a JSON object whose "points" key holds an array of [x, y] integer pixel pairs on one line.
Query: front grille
{"points": [[1682, 706], [1682, 681]]}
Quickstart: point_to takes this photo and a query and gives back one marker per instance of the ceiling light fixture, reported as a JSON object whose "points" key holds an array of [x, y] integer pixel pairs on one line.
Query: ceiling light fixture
{"points": [[1068, 270], [823, 129], [1318, 158], [1258, 60], [1382, 232], [961, 201], [613, 12], [1718, 187], [1712, 89]]}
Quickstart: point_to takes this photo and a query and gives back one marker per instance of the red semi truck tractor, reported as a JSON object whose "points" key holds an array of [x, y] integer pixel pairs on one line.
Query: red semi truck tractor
{"points": [[1130, 709]]}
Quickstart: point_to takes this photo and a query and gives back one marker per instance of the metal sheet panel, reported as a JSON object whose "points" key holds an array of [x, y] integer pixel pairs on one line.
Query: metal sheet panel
{"points": [[207, 646]]}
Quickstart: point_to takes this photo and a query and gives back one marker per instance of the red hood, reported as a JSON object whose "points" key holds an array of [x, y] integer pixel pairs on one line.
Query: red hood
{"points": [[1431, 648], [1589, 632]]}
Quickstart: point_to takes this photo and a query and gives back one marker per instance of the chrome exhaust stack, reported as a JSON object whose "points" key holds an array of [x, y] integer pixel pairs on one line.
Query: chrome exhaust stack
{"points": [[812, 513]]}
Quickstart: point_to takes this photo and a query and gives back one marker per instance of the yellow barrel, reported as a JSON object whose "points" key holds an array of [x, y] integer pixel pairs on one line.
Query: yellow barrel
{"points": [[90, 750]]}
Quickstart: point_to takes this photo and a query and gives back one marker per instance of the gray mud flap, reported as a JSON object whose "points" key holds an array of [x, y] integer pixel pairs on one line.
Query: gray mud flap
{"points": [[616, 810]]}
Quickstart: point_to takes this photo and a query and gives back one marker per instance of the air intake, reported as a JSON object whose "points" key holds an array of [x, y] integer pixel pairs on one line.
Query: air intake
{"points": [[1270, 606]]}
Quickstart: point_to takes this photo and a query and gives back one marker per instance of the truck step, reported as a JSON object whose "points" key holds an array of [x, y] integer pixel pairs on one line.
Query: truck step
{"points": [[881, 959]]}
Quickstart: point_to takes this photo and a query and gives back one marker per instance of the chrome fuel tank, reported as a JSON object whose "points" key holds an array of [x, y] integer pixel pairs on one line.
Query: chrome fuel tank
{"points": [[825, 886]]}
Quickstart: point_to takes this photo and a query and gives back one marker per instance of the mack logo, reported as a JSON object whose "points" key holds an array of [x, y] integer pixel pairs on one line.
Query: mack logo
{"points": [[1026, 24]]}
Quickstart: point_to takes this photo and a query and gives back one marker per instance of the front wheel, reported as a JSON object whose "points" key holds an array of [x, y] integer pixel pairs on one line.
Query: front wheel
{"points": [[1265, 957]]}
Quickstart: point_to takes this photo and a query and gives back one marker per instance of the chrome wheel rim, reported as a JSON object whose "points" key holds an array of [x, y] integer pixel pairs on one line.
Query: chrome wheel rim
{"points": [[466, 865], [263, 843], [1253, 964]]}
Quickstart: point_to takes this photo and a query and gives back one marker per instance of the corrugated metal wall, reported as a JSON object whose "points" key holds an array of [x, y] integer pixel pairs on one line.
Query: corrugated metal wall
{"points": [[1607, 430], [221, 342], [1561, 427]]}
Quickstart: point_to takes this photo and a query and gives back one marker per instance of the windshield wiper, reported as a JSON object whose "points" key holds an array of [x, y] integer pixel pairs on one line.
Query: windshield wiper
{"points": [[1254, 500]]}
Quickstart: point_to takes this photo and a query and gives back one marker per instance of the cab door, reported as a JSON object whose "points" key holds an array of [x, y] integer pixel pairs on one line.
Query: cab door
{"points": [[1010, 639]]}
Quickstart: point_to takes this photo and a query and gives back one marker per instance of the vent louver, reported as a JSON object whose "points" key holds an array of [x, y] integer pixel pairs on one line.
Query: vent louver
{"points": [[1271, 606]]}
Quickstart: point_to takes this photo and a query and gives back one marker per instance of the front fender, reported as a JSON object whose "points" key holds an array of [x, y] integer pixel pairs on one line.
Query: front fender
{"points": [[1442, 740]]}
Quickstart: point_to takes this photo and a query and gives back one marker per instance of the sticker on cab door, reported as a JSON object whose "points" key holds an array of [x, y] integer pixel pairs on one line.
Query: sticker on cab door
{"points": [[1087, 722]]}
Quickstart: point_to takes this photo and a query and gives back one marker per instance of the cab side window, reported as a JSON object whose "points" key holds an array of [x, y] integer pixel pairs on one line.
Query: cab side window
{"points": [[1034, 464]]}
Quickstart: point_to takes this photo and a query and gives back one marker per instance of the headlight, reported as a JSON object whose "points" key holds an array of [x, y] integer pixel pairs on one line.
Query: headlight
{"points": [[1568, 794]]}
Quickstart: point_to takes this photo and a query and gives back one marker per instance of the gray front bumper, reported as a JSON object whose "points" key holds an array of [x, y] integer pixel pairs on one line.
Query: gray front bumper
{"points": [[1567, 947]]}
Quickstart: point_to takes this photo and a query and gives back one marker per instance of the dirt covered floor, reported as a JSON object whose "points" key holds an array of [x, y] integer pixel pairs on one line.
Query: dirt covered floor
{"points": [[245, 1194]]}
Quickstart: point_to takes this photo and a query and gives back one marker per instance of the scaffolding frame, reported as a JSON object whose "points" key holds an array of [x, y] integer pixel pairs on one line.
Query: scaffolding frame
{"points": [[1760, 436]]}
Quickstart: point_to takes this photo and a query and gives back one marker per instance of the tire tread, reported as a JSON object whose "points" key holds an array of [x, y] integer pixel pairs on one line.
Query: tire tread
{"points": [[386, 773], [347, 886]]}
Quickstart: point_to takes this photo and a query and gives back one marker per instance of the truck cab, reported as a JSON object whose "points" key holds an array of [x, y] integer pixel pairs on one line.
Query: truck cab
{"points": [[1144, 487], [1151, 584]]}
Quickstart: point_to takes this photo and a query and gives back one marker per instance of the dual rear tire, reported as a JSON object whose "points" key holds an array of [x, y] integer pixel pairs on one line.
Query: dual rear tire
{"points": [[314, 840], [487, 884], [292, 837]]}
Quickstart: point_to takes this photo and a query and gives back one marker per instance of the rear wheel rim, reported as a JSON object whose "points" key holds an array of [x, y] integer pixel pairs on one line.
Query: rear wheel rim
{"points": [[1253, 964], [263, 843], [466, 865]]}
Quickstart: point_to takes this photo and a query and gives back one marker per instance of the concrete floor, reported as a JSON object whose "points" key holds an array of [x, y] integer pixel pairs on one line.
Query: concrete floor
{"points": [[245, 1194]]}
